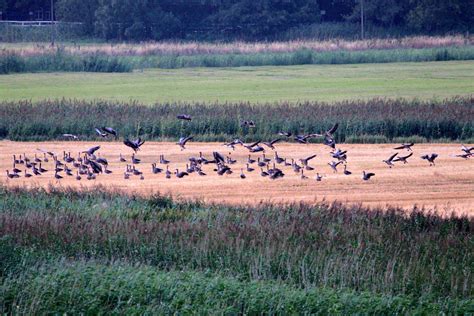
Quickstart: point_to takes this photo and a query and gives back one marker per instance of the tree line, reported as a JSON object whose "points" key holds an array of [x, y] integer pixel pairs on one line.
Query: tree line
{"points": [[139, 20]]}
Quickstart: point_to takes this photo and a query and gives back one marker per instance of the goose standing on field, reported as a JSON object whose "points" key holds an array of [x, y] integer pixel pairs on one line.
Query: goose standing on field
{"points": [[27, 175], [367, 175], [430, 158], [318, 177], [121, 158], [347, 172], [263, 173], [12, 175], [78, 177], [181, 174], [250, 160], [249, 169], [57, 176], [135, 160], [303, 177], [242, 174], [389, 161], [406, 146]]}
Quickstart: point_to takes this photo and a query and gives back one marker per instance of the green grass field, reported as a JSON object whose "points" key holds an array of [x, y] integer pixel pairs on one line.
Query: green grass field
{"points": [[256, 84]]}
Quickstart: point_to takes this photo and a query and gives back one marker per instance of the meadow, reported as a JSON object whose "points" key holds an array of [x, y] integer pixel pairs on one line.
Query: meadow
{"points": [[251, 84], [95, 251], [398, 244]]}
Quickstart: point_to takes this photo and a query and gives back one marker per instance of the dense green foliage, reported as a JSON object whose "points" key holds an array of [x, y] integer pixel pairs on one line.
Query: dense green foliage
{"points": [[245, 19], [61, 61], [306, 258], [377, 120]]}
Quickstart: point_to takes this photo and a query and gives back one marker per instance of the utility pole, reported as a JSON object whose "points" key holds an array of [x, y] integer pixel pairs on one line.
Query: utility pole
{"points": [[52, 23], [361, 19]]}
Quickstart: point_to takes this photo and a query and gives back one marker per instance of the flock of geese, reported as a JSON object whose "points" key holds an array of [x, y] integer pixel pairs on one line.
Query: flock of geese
{"points": [[89, 164]]}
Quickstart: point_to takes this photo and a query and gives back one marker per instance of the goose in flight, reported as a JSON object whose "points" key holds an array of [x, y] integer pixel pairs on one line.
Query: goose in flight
{"points": [[184, 117], [406, 146], [467, 150], [109, 130], [334, 165], [305, 161], [70, 136], [134, 144], [403, 158], [233, 143], [91, 150], [389, 161], [286, 134], [270, 144], [339, 154], [367, 175], [182, 142], [430, 158]]}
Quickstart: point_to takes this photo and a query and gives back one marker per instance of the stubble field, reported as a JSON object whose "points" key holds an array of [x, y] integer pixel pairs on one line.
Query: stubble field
{"points": [[449, 185]]}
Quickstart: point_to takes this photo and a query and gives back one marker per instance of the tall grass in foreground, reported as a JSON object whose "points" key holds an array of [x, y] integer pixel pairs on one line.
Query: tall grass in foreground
{"points": [[91, 288], [419, 254], [373, 121]]}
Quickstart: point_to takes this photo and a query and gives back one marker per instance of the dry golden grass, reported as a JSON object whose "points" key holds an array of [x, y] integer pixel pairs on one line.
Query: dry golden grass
{"points": [[448, 185]]}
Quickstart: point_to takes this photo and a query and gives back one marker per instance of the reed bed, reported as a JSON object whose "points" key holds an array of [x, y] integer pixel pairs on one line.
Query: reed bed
{"points": [[209, 48], [390, 258], [373, 121]]}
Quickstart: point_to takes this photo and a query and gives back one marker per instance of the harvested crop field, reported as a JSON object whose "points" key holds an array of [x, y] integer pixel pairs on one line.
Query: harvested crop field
{"points": [[449, 185]]}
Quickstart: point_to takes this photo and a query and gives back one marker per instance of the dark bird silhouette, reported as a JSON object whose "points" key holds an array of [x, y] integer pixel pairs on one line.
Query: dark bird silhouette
{"points": [[92, 150], [181, 174], [403, 158], [12, 175], [70, 136], [100, 133], [466, 149], [182, 141], [334, 165], [134, 144], [109, 130], [271, 143], [430, 158], [233, 143], [247, 123], [242, 174], [184, 117], [286, 134], [406, 146], [389, 161], [367, 175], [347, 172]]}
